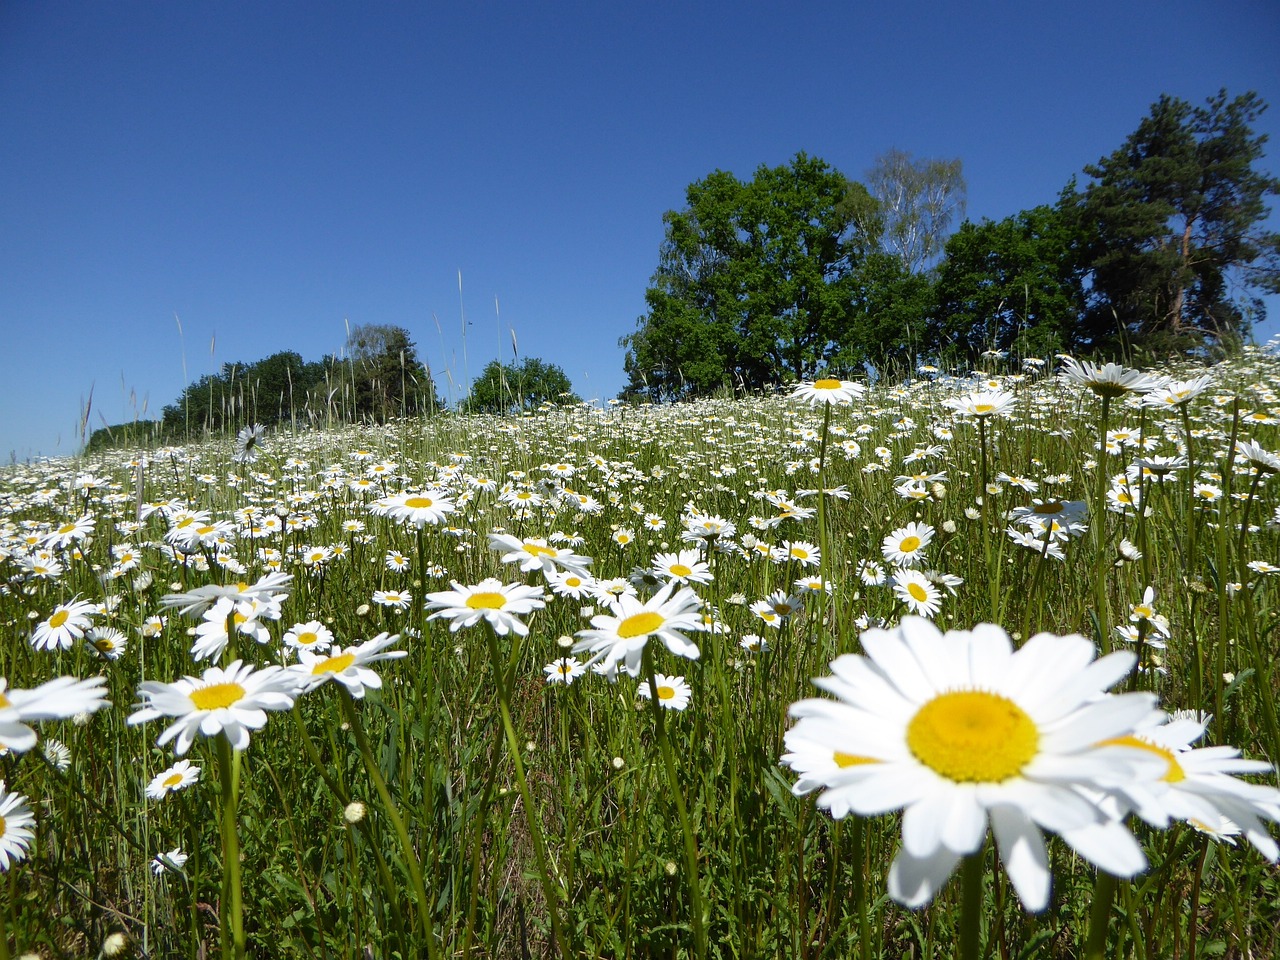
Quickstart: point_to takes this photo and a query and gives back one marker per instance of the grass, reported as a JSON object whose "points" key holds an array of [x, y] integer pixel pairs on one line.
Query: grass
{"points": [[580, 819]]}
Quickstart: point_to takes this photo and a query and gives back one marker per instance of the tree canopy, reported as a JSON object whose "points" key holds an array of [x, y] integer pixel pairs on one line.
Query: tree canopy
{"points": [[755, 280], [519, 387]]}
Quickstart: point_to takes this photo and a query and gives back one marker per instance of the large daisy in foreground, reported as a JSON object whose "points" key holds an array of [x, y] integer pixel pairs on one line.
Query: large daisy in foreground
{"points": [[959, 731]]}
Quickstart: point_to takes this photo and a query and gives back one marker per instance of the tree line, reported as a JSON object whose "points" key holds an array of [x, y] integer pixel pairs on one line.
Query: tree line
{"points": [[802, 270]]}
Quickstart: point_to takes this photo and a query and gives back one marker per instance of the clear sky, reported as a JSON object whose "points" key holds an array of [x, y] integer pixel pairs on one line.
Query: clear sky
{"points": [[267, 172]]}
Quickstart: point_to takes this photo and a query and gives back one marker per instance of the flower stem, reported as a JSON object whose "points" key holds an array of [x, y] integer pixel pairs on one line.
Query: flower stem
{"points": [[690, 842], [1104, 891], [397, 823], [972, 869], [232, 906]]}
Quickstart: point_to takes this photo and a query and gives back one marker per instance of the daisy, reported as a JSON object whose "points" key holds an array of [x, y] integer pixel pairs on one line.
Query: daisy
{"points": [[67, 624], [109, 642], [16, 822], [621, 637], [960, 730], [231, 702], [839, 392], [673, 692], [247, 443], [273, 586], [312, 635], [565, 670], [534, 553], [56, 699], [802, 552], [57, 753], [178, 777], [1197, 784], [1108, 380], [397, 562], [400, 599], [347, 667], [686, 567], [916, 590], [500, 605], [174, 860], [418, 509], [566, 583], [70, 532], [905, 546], [982, 403]]}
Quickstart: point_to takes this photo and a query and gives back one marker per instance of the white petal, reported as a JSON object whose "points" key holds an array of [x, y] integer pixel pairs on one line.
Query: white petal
{"points": [[913, 882], [1023, 854], [1110, 846]]}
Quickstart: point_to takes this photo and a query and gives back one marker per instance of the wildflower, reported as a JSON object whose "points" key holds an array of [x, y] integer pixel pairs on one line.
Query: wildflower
{"points": [[1108, 380], [829, 391], [685, 567], [916, 590], [312, 635], [534, 553], [565, 670], [982, 403], [58, 699], [248, 443], [803, 553], [354, 812], [1177, 393], [246, 616], [178, 777], [621, 637], [16, 822], [108, 641], [959, 729], [500, 605], [673, 692], [231, 702], [397, 562], [73, 531], [174, 860], [57, 754], [67, 624], [566, 583], [1196, 785], [905, 546], [1145, 613], [347, 667], [417, 509], [1258, 457], [273, 586], [400, 599]]}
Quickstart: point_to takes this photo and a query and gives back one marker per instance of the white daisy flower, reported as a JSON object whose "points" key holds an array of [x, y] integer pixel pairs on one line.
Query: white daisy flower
{"points": [[346, 667], [959, 731], [500, 605], [178, 777], [621, 637], [673, 692]]}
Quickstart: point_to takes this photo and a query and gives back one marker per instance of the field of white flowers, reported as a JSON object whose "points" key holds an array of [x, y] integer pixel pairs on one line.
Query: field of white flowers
{"points": [[958, 667]]}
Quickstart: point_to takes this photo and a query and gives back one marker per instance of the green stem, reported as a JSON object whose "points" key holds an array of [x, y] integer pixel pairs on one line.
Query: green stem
{"points": [[397, 823], [1100, 559], [1104, 891], [686, 827], [972, 869], [550, 892], [232, 906]]}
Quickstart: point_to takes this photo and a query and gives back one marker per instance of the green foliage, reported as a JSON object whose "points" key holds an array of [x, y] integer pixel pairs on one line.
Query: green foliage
{"points": [[386, 376], [520, 387], [1014, 284], [274, 389], [756, 280], [1174, 222], [916, 201]]}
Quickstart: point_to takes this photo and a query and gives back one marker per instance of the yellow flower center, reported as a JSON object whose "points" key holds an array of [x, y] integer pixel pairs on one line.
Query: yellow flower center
{"points": [[680, 570], [58, 619], [1174, 774], [419, 503], [537, 550], [799, 553], [639, 624], [826, 384], [66, 528], [172, 780], [333, 664], [983, 407], [307, 638], [217, 695], [666, 693], [4, 702], [918, 593], [971, 736], [909, 545], [486, 601], [845, 760]]}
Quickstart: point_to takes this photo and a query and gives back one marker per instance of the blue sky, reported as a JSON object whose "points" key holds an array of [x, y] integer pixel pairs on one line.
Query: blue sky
{"points": [[269, 172]]}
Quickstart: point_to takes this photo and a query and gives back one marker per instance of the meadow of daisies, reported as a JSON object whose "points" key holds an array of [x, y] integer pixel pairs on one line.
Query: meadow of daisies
{"points": [[975, 666]]}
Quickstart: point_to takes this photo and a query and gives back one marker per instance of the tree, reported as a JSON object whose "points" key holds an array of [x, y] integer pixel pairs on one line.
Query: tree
{"points": [[516, 388], [1015, 284], [387, 379], [916, 203], [1174, 220], [754, 281]]}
